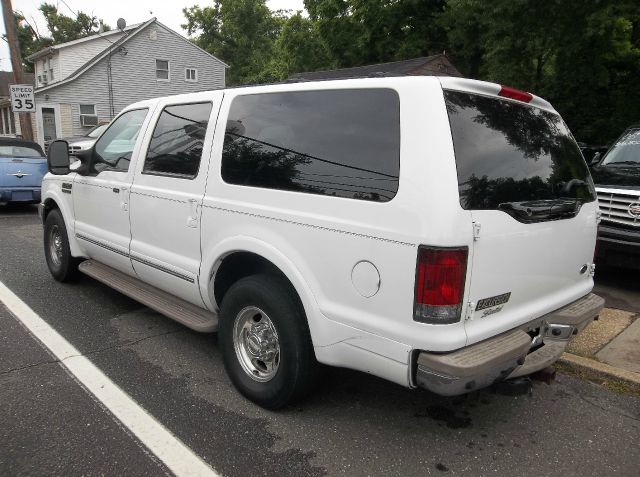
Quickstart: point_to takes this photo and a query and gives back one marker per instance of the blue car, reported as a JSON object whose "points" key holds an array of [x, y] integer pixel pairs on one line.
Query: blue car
{"points": [[22, 167]]}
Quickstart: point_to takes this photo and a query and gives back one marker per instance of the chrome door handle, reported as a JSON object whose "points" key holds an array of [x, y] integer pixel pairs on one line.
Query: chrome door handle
{"points": [[124, 203], [192, 220]]}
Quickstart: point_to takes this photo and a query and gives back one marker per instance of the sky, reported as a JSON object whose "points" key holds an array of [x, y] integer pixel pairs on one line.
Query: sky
{"points": [[168, 12]]}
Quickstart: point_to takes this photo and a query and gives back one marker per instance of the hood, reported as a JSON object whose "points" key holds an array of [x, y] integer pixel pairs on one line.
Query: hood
{"points": [[618, 176], [83, 142], [74, 138]]}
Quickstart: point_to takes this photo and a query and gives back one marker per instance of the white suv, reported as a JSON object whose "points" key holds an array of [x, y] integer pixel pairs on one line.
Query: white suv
{"points": [[435, 232]]}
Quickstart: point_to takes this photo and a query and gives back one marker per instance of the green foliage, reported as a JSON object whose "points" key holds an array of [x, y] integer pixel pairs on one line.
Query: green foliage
{"points": [[30, 41], [582, 55], [61, 28], [241, 32]]}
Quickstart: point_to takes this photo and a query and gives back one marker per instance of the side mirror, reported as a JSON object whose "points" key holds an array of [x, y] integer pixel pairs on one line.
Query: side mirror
{"points": [[595, 159], [58, 158]]}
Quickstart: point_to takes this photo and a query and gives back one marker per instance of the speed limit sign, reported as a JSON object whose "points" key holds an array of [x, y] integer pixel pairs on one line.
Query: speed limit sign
{"points": [[22, 98]]}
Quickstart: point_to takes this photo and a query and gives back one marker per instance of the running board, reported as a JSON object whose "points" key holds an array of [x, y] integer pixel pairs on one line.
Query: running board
{"points": [[190, 315]]}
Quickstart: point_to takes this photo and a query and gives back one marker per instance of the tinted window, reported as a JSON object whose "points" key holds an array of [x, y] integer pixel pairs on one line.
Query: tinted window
{"points": [[114, 148], [508, 154], [176, 144], [626, 150], [344, 143]]}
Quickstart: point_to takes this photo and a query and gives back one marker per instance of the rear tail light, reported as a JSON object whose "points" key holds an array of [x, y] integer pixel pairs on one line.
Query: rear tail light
{"points": [[512, 93], [440, 277]]}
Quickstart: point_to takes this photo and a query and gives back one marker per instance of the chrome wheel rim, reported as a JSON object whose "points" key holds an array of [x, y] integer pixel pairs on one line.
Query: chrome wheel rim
{"points": [[55, 246], [256, 343]]}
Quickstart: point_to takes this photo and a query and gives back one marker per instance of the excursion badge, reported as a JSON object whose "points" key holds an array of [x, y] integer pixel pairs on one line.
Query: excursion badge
{"points": [[493, 301]]}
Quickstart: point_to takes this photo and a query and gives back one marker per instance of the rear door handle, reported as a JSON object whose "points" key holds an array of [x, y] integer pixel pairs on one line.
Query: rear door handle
{"points": [[116, 190]]}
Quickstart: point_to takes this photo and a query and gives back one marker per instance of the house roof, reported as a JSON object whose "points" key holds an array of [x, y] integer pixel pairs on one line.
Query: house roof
{"points": [[435, 65], [6, 78], [104, 36], [96, 59]]}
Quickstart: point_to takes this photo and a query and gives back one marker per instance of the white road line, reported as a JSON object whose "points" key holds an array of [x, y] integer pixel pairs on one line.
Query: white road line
{"points": [[159, 440]]}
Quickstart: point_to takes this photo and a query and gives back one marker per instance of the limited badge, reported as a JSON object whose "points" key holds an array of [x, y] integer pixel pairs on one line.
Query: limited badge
{"points": [[493, 301]]}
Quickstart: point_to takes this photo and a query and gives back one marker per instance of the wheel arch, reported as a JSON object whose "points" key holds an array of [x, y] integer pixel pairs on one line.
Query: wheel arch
{"points": [[53, 200], [238, 257]]}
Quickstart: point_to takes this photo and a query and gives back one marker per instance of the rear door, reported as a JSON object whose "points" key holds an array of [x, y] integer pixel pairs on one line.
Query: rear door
{"points": [[532, 201], [167, 193]]}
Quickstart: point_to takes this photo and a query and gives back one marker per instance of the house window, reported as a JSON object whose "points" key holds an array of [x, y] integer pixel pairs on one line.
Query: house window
{"points": [[191, 74], [88, 109], [51, 74], [44, 77], [88, 115], [162, 70]]}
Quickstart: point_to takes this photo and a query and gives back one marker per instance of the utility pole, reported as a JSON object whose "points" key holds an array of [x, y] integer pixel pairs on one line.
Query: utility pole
{"points": [[16, 63]]}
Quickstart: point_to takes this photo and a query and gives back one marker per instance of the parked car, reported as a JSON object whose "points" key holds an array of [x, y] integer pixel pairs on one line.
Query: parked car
{"points": [[591, 152], [436, 232], [22, 167], [85, 141], [617, 178]]}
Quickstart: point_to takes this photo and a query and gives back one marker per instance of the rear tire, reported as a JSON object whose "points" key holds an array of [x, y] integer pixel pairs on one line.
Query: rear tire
{"points": [[265, 341], [62, 265]]}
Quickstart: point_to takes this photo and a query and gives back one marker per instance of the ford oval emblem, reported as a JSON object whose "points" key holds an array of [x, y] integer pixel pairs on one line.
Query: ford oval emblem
{"points": [[634, 210]]}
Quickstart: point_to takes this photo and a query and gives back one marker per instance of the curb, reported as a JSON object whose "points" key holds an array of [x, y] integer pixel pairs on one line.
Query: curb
{"points": [[596, 370]]}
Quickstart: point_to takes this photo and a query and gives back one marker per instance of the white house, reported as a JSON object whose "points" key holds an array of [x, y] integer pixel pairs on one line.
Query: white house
{"points": [[85, 82]]}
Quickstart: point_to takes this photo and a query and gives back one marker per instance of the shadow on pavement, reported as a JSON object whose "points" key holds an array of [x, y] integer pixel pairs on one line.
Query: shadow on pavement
{"points": [[620, 288]]}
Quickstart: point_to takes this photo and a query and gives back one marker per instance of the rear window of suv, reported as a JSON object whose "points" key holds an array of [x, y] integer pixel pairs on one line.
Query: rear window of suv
{"points": [[343, 143], [510, 155]]}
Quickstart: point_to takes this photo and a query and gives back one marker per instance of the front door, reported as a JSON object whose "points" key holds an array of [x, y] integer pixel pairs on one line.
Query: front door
{"points": [[101, 198], [49, 125], [167, 194]]}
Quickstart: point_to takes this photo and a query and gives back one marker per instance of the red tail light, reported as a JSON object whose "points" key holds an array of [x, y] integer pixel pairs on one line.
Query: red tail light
{"points": [[508, 92], [440, 277]]}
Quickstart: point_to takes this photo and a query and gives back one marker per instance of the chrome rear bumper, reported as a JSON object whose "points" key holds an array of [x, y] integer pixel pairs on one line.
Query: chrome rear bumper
{"points": [[508, 355]]}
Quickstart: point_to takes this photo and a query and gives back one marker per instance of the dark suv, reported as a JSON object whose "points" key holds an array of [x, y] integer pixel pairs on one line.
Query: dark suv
{"points": [[617, 178]]}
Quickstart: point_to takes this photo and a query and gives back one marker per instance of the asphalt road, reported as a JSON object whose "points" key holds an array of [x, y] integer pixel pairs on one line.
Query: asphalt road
{"points": [[353, 425]]}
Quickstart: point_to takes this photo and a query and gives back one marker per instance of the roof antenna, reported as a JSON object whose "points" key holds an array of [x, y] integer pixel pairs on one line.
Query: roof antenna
{"points": [[121, 24]]}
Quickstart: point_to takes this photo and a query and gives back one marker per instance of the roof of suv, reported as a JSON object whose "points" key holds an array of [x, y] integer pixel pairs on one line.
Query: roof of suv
{"points": [[459, 84]]}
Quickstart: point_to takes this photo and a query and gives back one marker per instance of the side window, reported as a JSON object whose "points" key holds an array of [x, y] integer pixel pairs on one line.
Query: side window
{"points": [[343, 143], [114, 148], [176, 144]]}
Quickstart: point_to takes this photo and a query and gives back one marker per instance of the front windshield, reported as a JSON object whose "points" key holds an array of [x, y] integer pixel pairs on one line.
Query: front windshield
{"points": [[19, 151], [626, 150], [95, 132]]}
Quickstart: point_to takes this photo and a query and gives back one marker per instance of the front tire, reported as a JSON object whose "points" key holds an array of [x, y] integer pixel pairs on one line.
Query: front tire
{"points": [[265, 341], [62, 265]]}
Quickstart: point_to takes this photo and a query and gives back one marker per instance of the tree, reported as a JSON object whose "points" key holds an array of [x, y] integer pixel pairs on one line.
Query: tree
{"points": [[583, 56], [298, 48], [359, 32], [61, 29], [240, 32], [30, 41]]}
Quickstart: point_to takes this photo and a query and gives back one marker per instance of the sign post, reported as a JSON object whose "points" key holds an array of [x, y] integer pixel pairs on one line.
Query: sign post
{"points": [[22, 100]]}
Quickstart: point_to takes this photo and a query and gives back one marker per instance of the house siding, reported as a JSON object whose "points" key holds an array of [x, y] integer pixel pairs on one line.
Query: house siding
{"points": [[74, 56], [134, 77]]}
